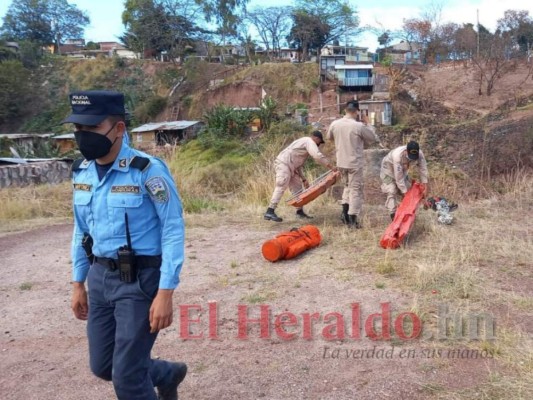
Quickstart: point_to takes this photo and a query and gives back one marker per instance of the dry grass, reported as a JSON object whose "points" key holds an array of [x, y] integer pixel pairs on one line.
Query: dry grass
{"points": [[469, 265], [39, 204]]}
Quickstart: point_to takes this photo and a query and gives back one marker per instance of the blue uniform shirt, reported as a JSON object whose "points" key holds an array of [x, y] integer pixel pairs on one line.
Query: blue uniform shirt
{"points": [[152, 203]]}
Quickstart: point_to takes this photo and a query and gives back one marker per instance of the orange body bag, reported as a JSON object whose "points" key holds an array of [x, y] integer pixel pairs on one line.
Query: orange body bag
{"points": [[288, 245], [404, 218]]}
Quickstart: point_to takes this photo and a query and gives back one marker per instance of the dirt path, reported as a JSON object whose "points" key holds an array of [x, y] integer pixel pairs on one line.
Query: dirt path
{"points": [[44, 354]]}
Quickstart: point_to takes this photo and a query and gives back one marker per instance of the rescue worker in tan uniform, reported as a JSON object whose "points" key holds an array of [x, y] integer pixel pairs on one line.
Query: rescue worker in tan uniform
{"points": [[350, 137], [394, 169], [289, 172]]}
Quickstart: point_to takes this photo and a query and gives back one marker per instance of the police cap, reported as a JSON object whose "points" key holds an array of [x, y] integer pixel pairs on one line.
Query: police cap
{"points": [[93, 106]]}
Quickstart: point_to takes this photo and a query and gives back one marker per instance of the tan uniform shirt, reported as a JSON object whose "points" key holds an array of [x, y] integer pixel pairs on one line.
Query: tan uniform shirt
{"points": [[296, 153], [395, 166], [350, 137]]}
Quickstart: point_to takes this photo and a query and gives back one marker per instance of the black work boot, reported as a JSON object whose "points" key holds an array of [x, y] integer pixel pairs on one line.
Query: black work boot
{"points": [[170, 392], [353, 223], [270, 215], [344, 215], [301, 214]]}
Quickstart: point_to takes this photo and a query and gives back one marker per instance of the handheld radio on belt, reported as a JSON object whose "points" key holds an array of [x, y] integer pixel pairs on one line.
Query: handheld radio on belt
{"points": [[126, 258], [87, 245]]}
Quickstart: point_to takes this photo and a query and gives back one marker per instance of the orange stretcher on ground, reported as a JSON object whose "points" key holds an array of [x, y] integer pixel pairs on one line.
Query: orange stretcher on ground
{"points": [[289, 244], [404, 218], [319, 186]]}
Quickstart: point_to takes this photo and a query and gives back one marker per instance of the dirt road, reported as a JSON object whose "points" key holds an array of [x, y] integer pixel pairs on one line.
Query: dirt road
{"points": [[44, 349]]}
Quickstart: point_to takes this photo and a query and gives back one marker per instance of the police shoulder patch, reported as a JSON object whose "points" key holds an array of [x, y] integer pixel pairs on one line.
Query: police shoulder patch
{"points": [[158, 189]]}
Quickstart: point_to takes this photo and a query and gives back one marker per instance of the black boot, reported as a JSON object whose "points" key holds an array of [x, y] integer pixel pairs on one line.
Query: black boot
{"points": [[170, 392], [353, 223], [344, 215], [301, 214], [392, 215], [271, 215]]}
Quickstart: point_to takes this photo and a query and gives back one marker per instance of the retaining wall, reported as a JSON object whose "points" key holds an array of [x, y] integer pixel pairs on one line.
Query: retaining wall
{"points": [[34, 173]]}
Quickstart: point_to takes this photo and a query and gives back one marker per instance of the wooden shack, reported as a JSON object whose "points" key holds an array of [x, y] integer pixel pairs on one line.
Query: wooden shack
{"points": [[168, 132], [379, 111], [66, 142]]}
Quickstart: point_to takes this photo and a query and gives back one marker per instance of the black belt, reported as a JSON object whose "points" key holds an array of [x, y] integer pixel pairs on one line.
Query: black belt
{"points": [[140, 261]]}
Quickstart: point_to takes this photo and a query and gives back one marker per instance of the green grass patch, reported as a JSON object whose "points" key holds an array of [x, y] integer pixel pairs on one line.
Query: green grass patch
{"points": [[25, 286]]}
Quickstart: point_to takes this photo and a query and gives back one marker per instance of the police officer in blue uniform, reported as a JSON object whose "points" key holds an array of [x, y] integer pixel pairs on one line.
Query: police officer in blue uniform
{"points": [[128, 243]]}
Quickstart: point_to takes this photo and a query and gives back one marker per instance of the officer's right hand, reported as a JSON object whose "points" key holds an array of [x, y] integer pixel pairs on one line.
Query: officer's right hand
{"points": [[79, 304]]}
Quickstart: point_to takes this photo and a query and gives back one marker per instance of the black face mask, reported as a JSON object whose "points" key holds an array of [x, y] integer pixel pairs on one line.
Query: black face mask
{"points": [[94, 145]]}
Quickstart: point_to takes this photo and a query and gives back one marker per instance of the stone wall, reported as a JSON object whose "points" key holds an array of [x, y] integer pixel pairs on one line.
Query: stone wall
{"points": [[34, 173]]}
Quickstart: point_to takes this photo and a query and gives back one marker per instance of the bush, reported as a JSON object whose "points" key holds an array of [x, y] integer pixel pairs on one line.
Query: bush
{"points": [[14, 89], [150, 109], [288, 127], [225, 121], [169, 76], [118, 62], [48, 121]]}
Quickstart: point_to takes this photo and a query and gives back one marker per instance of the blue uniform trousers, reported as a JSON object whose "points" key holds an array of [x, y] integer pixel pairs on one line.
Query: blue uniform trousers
{"points": [[118, 330]]}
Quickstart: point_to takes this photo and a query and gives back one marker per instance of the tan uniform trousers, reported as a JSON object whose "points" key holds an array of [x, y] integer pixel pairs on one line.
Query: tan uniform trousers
{"points": [[285, 178], [353, 189], [394, 195]]}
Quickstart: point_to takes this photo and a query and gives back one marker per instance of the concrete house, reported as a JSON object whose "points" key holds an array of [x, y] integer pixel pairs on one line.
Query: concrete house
{"points": [[350, 66], [404, 52]]}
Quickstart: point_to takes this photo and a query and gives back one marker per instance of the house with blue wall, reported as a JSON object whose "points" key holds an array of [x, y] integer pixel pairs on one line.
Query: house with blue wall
{"points": [[355, 76]]}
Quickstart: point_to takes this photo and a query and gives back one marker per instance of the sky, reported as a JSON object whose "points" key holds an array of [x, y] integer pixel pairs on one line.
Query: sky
{"points": [[106, 22]]}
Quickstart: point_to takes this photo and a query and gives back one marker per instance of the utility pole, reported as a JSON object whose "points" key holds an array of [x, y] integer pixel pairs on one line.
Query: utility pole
{"points": [[477, 52]]}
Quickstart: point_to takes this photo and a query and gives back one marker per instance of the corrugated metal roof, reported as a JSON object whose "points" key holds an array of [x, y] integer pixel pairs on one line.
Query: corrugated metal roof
{"points": [[12, 160], [354, 66], [65, 136], [25, 135], [164, 126]]}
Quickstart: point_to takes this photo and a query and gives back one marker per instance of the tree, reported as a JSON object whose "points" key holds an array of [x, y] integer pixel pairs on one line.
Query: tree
{"points": [[416, 31], [272, 23], [465, 42], [92, 46], [223, 12], [159, 25], [7, 53], [308, 32], [428, 31], [493, 61], [44, 21], [384, 39], [14, 89], [518, 25], [318, 22]]}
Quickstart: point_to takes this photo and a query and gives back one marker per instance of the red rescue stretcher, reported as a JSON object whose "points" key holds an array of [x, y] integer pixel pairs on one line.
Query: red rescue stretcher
{"points": [[319, 186], [404, 218]]}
